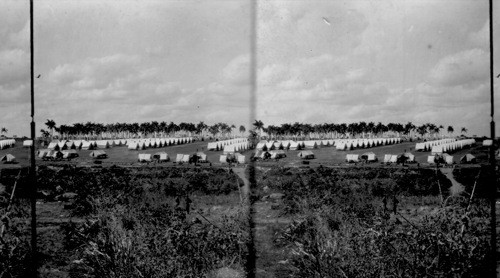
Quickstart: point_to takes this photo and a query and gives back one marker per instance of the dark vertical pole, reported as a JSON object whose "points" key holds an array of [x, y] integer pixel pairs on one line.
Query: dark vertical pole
{"points": [[32, 172], [492, 155], [251, 262]]}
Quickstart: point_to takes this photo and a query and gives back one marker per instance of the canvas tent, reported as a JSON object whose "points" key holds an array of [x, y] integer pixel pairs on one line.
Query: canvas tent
{"points": [[8, 158], [69, 154], [468, 158], [294, 146], [53, 146], [352, 158], [202, 157], [179, 157], [277, 154], [86, 145], [27, 143], [390, 158], [306, 155], [43, 153], [405, 157], [161, 156], [99, 154], [369, 157], [223, 159], [144, 157]]}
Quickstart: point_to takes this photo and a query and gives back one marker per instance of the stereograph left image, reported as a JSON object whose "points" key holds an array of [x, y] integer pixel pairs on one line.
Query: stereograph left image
{"points": [[248, 138], [141, 111]]}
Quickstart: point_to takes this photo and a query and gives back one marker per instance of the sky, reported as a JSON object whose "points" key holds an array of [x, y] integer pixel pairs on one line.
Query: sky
{"points": [[188, 61]]}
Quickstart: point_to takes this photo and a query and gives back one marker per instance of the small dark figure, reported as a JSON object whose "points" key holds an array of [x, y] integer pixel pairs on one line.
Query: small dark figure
{"points": [[177, 201], [395, 205], [188, 204], [384, 201]]}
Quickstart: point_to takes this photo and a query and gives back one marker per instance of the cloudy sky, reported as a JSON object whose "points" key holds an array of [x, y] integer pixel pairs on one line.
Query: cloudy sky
{"points": [[318, 61]]}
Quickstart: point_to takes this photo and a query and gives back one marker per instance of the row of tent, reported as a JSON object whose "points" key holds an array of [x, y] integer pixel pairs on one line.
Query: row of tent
{"points": [[292, 145], [368, 157], [159, 156], [104, 144], [142, 144], [399, 158], [453, 146], [238, 147], [427, 146], [220, 145], [448, 159], [233, 157], [55, 154], [185, 158], [7, 143], [350, 144]]}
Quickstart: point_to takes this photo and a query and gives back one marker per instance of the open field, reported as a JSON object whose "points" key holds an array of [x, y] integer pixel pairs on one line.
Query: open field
{"points": [[324, 156], [309, 221]]}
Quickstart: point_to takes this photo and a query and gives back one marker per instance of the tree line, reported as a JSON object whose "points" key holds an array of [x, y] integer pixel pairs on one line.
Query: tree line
{"points": [[352, 130], [90, 130]]}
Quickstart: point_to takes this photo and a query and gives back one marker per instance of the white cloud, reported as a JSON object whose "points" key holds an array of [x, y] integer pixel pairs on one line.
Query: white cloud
{"points": [[466, 67]]}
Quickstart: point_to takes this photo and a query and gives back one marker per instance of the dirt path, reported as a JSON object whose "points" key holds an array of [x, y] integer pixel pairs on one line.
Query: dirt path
{"points": [[270, 259], [456, 187]]}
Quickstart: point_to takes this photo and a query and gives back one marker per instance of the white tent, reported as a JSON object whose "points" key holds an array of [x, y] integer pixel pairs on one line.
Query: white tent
{"points": [[229, 149], [144, 157], [179, 157], [69, 153], [223, 159], [294, 145], [98, 154], [202, 156], [277, 154], [27, 143], [240, 158], [310, 144], [487, 142], [431, 159], [8, 158], [53, 146], [62, 145], [102, 144], [369, 156], [306, 155], [161, 156], [86, 145], [43, 153], [352, 158]]}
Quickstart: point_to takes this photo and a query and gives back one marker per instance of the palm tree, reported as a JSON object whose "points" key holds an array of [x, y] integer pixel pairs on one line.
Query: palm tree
{"points": [[45, 134], [242, 130], [408, 128], [450, 130], [464, 130], [4, 131], [51, 125], [259, 125]]}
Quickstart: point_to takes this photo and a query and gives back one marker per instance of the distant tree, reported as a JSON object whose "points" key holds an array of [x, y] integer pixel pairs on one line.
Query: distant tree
{"points": [[450, 130], [45, 134], [242, 130], [4, 131], [213, 129], [259, 125], [464, 130], [51, 125]]}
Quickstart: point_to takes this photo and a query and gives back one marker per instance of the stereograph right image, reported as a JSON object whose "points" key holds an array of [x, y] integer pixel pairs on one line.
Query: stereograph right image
{"points": [[246, 138]]}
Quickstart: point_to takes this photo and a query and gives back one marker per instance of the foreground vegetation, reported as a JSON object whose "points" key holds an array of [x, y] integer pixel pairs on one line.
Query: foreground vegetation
{"points": [[340, 222], [341, 228]]}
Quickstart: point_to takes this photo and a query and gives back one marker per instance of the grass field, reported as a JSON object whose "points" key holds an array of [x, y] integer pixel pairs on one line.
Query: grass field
{"points": [[324, 155]]}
